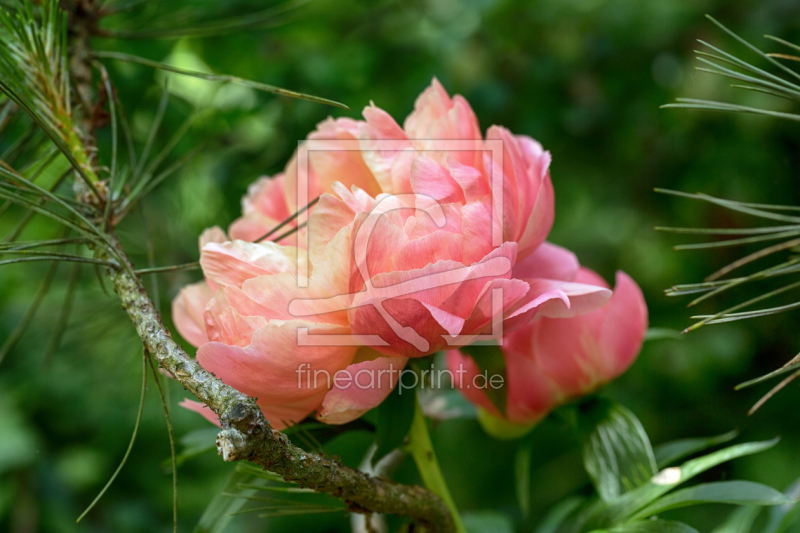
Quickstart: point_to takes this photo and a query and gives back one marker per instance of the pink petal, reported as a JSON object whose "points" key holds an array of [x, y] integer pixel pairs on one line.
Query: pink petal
{"points": [[510, 194], [266, 196], [230, 327], [540, 220], [471, 180], [464, 370], [476, 227], [573, 356], [329, 216], [624, 325], [360, 387], [431, 179], [430, 106], [438, 246], [583, 298], [335, 164], [382, 124], [561, 299], [548, 261], [413, 310], [187, 312], [251, 227], [270, 367], [274, 293], [355, 198], [380, 157], [293, 173], [532, 177], [372, 249], [232, 263], [201, 409], [213, 234], [531, 394]]}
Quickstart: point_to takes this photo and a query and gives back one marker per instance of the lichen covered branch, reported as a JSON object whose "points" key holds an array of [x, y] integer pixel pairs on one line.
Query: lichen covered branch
{"points": [[247, 435]]}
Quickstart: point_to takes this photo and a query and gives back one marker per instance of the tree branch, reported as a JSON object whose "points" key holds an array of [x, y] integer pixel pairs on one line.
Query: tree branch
{"points": [[246, 434]]}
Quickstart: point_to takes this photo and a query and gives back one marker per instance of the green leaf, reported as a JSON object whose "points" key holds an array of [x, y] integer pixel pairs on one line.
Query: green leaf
{"points": [[393, 421], [654, 526], [196, 443], [616, 451], [558, 515], [488, 522], [491, 362], [603, 514], [739, 521], [672, 451], [522, 475], [219, 512], [323, 433], [783, 517], [19, 330], [731, 492]]}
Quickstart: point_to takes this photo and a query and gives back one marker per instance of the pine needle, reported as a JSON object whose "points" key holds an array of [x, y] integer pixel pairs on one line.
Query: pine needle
{"points": [[130, 444], [63, 317], [171, 434], [219, 78], [16, 335], [775, 390]]}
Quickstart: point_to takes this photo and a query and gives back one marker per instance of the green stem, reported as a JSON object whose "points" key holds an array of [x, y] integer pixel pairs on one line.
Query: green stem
{"points": [[421, 449]]}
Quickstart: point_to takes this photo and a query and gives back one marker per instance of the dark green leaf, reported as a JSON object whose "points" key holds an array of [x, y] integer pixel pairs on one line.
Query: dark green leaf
{"points": [[196, 443], [731, 492], [491, 362], [394, 417], [784, 517], [487, 522], [603, 514], [522, 475], [558, 515], [323, 433], [654, 526], [739, 521], [616, 451], [672, 451], [16, 335], [218, 513]]}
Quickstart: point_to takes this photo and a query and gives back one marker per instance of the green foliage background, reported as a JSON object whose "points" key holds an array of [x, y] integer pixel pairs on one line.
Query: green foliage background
{"points": [[584, 77]]}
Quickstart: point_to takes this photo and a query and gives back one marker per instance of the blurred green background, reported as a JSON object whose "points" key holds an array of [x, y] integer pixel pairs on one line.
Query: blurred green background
{"points": [[584, 77]]}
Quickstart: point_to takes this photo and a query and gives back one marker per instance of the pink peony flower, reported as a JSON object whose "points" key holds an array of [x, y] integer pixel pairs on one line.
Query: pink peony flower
{"points": [[554, 360], [376, 278]]}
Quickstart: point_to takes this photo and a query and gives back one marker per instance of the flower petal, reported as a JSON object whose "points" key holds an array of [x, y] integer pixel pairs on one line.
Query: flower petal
{"points": [[232, 263], [187, 312], [359, 388], [270, 367], [202, 409], [548, 261]]}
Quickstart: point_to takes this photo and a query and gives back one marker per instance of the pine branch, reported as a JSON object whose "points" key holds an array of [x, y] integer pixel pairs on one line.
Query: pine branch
{"points": [[246, 434]]}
